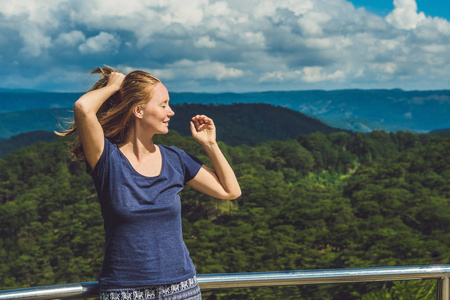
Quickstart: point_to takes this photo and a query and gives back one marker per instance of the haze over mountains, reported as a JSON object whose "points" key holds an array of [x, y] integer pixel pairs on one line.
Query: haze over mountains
{"points": [[357, 110]]}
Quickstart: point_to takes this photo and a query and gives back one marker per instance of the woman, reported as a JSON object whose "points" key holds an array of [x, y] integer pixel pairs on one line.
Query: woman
{"points": [[138, 182]]}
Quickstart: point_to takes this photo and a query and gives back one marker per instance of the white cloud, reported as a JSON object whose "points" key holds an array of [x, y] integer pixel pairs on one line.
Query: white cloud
{"points": [[190, 13], [103, 42], [37, 12], [306, 74], [35, 41], [254, 38], [405, 14], [436, 48], [250, 44], [268, 8], [205, 42], [72, 38], [387, 68], [189, 70], [313, 22], [200, 70], [218, 9], [316, 74]]}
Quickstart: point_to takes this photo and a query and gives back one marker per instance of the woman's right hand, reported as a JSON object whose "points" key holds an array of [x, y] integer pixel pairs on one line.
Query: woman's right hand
{"points": [[115, 80]]}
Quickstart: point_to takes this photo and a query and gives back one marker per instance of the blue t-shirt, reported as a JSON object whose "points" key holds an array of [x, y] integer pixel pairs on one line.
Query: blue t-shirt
{"points": [[142, 218]]}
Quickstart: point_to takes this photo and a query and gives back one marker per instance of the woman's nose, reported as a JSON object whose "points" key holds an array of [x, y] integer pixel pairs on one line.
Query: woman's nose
{"points": [[171, 113]]}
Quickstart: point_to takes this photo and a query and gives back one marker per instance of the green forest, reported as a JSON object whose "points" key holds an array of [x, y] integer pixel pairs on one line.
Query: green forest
{"points": [[317, 201]]}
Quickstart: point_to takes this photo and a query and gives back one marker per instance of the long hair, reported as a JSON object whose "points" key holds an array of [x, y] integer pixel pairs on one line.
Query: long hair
{"points": [[116, 113]]}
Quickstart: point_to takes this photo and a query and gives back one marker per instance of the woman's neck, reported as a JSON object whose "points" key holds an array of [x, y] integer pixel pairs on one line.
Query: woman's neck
{"points": [[138, 145]]}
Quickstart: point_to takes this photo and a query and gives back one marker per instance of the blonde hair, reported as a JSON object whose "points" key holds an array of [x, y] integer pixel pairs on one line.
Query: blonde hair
{"points": [[115, 114]]}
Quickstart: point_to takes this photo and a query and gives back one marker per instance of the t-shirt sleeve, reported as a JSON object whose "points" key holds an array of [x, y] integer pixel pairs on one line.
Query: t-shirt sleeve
{"points": [[100, 167], [191, 165]]}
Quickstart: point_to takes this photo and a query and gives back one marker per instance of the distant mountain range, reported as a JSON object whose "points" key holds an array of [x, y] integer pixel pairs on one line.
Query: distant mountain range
{"points": [[237, 124], [14, 123], [356, 110]]}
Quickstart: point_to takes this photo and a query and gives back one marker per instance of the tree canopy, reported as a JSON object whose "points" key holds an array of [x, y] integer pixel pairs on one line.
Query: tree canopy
{"points": [[319, 201]]}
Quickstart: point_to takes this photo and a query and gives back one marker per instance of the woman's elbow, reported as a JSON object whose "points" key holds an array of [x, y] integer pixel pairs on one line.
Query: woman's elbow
{"points": [[79, 108], [83, 106], [233, 195], [237, 194]]}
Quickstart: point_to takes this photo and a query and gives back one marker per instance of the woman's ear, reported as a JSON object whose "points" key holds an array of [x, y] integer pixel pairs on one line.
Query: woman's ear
{"points": [[138, 111]]}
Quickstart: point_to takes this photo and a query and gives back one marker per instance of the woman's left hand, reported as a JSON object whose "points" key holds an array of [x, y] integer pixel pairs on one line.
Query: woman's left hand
{"points": [[203, 130]]}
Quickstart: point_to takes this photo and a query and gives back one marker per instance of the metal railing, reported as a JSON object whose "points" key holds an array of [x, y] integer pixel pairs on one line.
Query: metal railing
{"points": [[219, 281]]}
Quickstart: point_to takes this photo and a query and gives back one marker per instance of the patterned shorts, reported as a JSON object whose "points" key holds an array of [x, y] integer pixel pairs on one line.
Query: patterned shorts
{"points": [[184, 290]]}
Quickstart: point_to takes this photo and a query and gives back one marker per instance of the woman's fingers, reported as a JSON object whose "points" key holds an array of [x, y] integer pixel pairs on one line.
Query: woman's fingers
{"points": [[116, 79], [202, 119], [203, 129], [193, 129]]}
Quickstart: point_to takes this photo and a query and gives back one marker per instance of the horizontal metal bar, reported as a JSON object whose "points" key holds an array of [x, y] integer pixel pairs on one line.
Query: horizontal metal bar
{"points": [[233, 280], [66, 291], [215, 281]]}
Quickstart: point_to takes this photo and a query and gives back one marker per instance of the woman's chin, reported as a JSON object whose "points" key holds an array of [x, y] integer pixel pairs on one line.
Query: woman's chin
{"points": [[164, 131]]}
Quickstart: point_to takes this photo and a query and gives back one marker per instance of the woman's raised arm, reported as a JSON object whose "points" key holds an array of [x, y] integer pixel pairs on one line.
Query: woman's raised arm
{"points": [[221, 182], [88, 128]]}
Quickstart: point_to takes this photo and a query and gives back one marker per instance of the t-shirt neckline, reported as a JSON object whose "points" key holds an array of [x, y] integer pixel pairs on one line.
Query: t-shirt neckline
{"points": [[135, 171]]}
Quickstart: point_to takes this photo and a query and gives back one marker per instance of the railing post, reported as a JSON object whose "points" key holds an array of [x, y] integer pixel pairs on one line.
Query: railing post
{"points": [[443, 288]]}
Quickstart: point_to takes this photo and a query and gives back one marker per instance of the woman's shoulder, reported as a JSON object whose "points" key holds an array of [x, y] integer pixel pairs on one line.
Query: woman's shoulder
{"points": [[182, 155], [110, 145], [171, 149]]}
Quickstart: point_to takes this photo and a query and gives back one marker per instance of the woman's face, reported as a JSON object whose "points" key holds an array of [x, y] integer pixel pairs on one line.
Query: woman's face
{"points": [[156, 113]]}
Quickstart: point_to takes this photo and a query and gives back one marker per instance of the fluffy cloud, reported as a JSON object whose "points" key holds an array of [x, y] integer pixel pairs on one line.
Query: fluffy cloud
{"points": [[198, 70], [35, 41], [216, 45], [205, 42], [405, 15], [103, 42], [72, 38]]}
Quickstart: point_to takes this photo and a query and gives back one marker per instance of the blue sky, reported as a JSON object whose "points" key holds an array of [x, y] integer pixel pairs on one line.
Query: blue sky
{"points": [[228, 45], [433, 8]]}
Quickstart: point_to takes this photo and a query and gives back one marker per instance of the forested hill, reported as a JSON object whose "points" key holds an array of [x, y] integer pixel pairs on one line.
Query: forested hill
{"points": [[237, 124], [25, 139], [249, 123], [319, 201]]}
